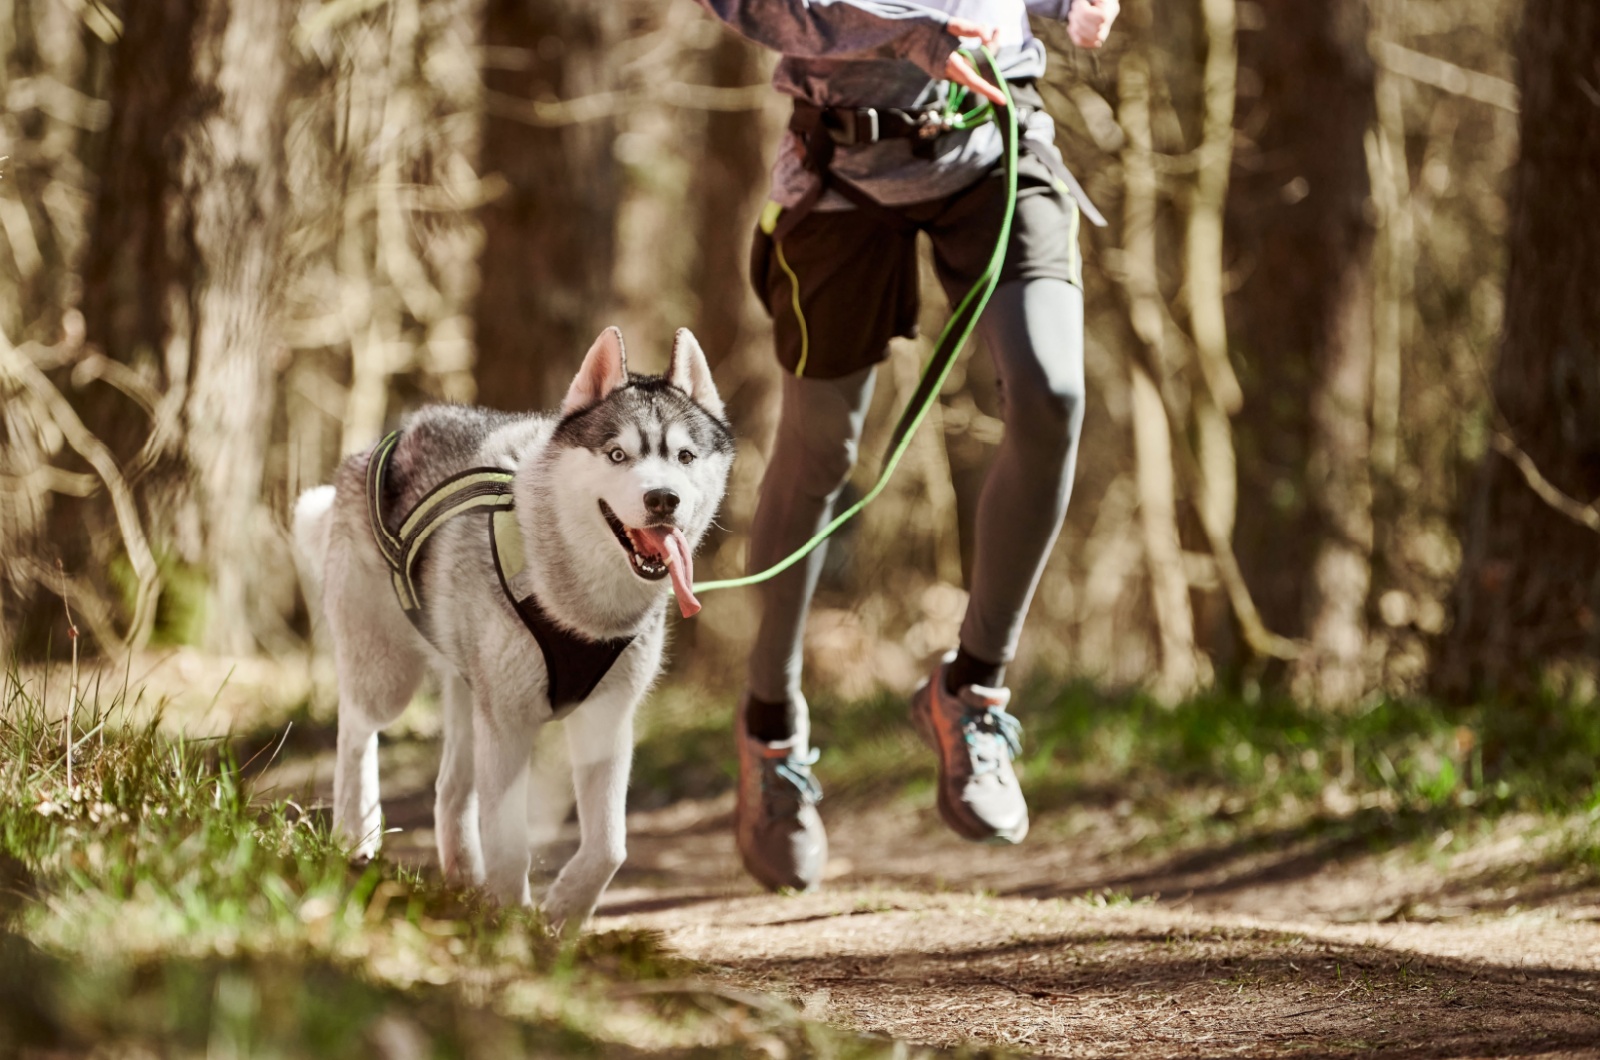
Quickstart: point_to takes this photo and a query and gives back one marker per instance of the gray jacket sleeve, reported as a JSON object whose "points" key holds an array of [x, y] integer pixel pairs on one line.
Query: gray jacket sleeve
{"points": [[838, 29], [1052, 9]]}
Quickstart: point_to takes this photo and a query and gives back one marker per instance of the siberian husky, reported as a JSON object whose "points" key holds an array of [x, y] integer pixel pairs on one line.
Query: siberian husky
{"points": [[550, 543]]}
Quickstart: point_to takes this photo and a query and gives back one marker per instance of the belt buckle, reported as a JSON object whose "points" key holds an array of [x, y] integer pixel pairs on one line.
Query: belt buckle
{"points": [[856, 125]]}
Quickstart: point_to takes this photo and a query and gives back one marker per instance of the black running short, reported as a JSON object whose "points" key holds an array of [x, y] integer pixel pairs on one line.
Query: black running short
{"points": [[843, 283]]}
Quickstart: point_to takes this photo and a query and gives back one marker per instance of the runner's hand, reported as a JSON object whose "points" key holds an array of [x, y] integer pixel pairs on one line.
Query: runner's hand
{"points": [[1089, 21], [957, 69]]}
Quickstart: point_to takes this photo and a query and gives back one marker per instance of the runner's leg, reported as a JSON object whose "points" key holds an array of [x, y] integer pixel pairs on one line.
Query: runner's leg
{"points": [[1034, 332], [818, 432]]}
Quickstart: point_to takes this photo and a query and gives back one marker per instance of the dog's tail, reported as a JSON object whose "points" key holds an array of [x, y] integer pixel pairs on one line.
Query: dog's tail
{"points": [[313, 517]]}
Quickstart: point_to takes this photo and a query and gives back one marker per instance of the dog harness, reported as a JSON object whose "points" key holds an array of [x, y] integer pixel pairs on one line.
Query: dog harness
{"points": [[575, 664]]}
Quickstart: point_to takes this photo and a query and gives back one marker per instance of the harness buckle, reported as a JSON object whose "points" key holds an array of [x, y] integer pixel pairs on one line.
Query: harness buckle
{"points": [[855, 125]]}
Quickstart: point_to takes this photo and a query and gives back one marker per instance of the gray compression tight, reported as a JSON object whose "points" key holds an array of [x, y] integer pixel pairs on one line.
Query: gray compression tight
{"points": [[1033, 330]]}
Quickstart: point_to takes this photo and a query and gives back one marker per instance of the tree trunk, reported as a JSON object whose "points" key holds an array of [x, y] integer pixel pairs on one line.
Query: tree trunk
{"points": [[549, 239], [1528, 594], [729, 183], [131, 268], [1152, 430], [133, 263], [1302, 227], [138, 271], [1205, 274], [1339, 482], [233, 180]]}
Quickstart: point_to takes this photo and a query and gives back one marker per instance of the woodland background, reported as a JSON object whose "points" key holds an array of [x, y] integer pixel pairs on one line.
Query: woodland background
{"points": [[1344, 330]]}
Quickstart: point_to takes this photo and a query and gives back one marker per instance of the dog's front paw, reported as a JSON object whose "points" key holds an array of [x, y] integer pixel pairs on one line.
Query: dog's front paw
{"points": [[563, 926], [362, 851], [566, 912]]}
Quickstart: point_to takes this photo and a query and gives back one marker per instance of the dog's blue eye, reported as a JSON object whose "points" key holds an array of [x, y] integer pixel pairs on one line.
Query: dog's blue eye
{"points": [[685, 457], [618, 456]]}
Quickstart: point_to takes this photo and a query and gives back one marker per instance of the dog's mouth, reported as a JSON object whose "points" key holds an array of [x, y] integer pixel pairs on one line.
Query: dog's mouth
{"points": [[657, 552]]}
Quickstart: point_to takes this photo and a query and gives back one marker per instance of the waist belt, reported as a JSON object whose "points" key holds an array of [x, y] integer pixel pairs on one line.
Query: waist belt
{"points": [[575, 664], [849, 126], [822, 129]]}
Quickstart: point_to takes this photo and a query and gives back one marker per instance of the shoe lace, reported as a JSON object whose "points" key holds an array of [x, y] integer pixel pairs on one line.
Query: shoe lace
{"points": [[795, 771], [990, 733]]}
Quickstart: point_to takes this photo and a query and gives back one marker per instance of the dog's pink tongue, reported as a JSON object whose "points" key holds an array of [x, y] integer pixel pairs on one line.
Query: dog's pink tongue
{"points": [[672, 547]]}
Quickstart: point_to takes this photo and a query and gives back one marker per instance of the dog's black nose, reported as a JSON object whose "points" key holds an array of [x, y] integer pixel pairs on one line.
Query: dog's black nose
{"points": [[661, 503]]}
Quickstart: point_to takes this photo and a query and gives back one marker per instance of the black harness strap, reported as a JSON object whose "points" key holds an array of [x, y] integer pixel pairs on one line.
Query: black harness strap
{"points": [[575, 664]]}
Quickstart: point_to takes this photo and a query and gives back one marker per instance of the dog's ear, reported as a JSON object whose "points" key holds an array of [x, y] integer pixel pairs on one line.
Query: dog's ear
{"points": [[605, 367], [689, 372]]}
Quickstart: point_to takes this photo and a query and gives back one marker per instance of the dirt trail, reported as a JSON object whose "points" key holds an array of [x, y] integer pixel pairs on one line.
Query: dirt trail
{"points": [[1070, 945], [928, 939]]}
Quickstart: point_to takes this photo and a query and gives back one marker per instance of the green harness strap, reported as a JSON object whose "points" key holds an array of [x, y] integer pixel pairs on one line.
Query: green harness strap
{"points": [[951, 340], [476, 489]]}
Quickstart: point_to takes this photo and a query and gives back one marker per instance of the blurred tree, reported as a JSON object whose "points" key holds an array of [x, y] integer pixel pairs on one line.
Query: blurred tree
{"points": [[550, 238], [730, 180], [1529, 587], [52, 77], [133, 264], [1302, 227], [1153, 370], [138, 273], [180, 301], [233, 181]]}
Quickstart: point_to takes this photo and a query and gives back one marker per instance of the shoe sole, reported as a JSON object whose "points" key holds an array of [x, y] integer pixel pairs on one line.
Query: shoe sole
{"points": [[962, 827]]}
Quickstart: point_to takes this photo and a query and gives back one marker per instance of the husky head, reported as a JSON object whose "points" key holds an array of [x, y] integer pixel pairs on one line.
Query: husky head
{"points": [[640, 463]]}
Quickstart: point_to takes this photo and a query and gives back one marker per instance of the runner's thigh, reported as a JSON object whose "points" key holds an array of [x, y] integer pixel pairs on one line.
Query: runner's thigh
{"points": [[1044, 231], [838, 286]]}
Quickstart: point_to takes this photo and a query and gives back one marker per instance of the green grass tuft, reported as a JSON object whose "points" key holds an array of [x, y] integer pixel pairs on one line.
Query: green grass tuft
{"points": [[153, 908]]}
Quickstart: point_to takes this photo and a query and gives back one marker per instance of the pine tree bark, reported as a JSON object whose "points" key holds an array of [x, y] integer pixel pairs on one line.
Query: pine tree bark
{"points": [[729, 184], [1152, 430], [233, 180], [1528, 595], [1302, 226], [135, 262], [549, 240]]}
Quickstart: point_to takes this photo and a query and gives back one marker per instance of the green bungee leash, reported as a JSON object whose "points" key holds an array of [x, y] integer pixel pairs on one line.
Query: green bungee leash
{"points": [[951, 340]]}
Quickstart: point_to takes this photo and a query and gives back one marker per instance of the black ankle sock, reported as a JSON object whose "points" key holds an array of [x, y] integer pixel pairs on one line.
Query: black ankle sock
{"points": [[771, 722], [971, 670]]}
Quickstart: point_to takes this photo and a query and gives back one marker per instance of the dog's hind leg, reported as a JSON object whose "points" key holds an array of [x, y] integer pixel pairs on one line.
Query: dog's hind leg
{"points": [[600, 736], [367, 702], [501, 742], [357, 817], [455, 806], [380, 665]]}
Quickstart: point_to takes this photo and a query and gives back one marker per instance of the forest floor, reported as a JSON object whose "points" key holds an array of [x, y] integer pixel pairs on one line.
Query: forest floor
{"points": [[1069, 946], [1191, 886]]}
